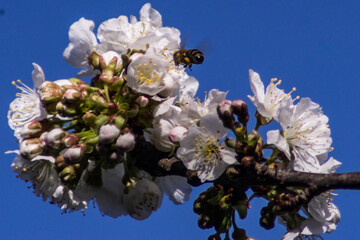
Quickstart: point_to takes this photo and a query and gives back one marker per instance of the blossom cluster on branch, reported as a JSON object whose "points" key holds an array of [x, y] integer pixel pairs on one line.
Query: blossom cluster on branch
{"points": [[137, 132]]}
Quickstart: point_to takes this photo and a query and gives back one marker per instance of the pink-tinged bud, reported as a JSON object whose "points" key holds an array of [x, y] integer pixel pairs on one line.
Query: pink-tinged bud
{"points": [[74, 154], [50, 93], [142, 101], [32, 129], [31, 148], [225, 113], [72, 96], [116, 83], [108, 133], [70, 140], [177, 133], [54, 137], [125, 142], [240, 109], [60, 161]]}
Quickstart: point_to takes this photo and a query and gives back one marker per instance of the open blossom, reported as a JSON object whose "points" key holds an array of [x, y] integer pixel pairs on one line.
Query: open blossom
{"points": [[305, 135], [143, 198], [270, 101], [109, 195], [27, 105], [119, 35], [201, 150], [323, 215], [176, 187], [148, 74]]}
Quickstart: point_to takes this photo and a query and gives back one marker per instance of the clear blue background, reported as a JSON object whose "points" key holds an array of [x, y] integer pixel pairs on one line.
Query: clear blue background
{"points": [[312, 45]]}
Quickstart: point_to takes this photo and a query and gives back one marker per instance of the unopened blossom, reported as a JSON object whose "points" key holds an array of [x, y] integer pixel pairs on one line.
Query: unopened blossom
{"points": [[31, 129], [108, 133], [201, 150], [27, 105], [167, 122], [53, 139], [177, 133], [31, 148], [270, 101], [125, 142], [143, 198], [74, 154], [305, 135]]}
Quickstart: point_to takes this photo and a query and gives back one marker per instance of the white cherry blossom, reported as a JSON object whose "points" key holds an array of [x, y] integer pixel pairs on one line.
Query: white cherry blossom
{"points": [[270, 101], [27, 105], [201, 150], [305, 135]]}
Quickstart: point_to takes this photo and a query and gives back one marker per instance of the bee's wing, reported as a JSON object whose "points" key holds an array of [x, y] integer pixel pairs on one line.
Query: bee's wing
{"points": [[205, 45], [183, 42]]}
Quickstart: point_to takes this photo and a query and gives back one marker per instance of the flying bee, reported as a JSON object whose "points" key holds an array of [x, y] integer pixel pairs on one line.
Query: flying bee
{"points": [[188, 57]]}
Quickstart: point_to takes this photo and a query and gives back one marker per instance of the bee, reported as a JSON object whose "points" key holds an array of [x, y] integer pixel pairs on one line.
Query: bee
{"points": [[188, 57]]}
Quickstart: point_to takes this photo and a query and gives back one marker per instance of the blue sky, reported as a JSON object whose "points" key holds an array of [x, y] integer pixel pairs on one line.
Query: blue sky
{"points": [[311, 45]]}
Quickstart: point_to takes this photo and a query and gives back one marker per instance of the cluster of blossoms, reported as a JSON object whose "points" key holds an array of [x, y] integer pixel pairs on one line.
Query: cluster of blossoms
{"points": [[79, 142]]}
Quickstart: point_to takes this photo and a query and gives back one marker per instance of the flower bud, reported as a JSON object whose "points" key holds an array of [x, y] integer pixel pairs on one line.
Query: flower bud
{"points": [[125, 142], [60, 161], [100, 121], [33, 128], [70, 140], [64, 110], [115, 158], [225, 113], [31, 148], [72, 96], [53, 138], [108, 133], [205, 221], [89, 119], [177, 133], [119, 121], [133, 111], [116, 84], [94, 60], [142, 101], [68, 174], [240, 109], [74, 154], [99, 101], [50, 93], [143, 198]]}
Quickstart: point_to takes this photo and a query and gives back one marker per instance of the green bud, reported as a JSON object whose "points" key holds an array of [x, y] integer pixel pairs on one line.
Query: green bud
{"points": [[205, 222], [100, 120], [119, 121], [99, 101], [94, 60], [133, 111], [89, 119], [68, 174]]}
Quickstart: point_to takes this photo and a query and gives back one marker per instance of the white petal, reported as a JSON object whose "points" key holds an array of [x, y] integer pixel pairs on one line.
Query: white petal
{"points": [[275, 137]]}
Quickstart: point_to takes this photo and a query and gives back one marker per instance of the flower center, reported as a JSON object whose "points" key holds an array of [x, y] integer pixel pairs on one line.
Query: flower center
{"points": [[145, 74]]}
